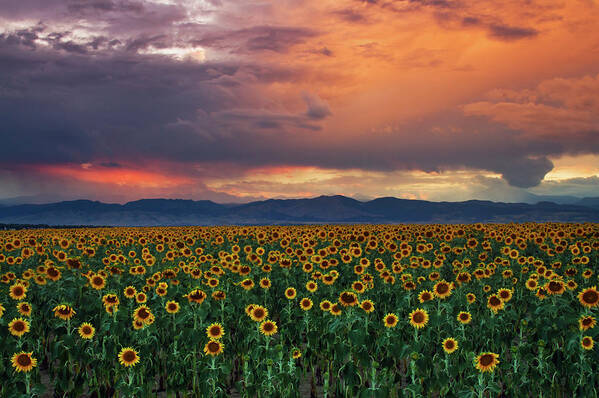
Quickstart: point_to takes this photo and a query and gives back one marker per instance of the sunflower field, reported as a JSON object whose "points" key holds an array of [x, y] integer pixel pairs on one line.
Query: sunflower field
{"points": [[480, 310]]}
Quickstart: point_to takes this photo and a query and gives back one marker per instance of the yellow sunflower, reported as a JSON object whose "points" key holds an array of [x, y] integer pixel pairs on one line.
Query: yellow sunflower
{"points": [[268, 328], [172, 307], [494, 303], [18, 327], [128, 357], [486, 362], [129, 292], [586, 322], [325, 305], [505, 295], [258, 313], [587, 343], [335, 309], [215, 331], [18, 291], [306, 304], [142, 314], [290, 293], [24, 308], [23, 361], [589, 297], [442, 289], [464, 317], [348, 299], [367, 306], [86, 331], [213, 348], [98, 282], [425, 295], [449, 345], [418, 318], [390, 320]]}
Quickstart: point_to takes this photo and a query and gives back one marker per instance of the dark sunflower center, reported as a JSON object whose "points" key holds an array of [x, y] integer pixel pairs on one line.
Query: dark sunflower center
{"points": [[587, 321], [555, 286], [449, 344], [213, 346], [586, 341], [215, 331], [464, 317], [390, 320], [418, 317], [86, 330], [24, 360], [442, 288], [426, 296], [486, 360], [19, 326], [129, 356], [347, 298], [268, 326], [172, 307], [366, 306], [258, 312], [130, 292], [64, 311], [196, 296], [97, 281], [25, 308], [590, 297], [504, 295], [494, 301], [18, 291], [111, 299]]}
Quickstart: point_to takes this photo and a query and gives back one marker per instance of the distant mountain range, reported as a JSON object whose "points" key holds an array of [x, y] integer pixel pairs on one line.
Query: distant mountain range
{"points": [[323, 209]]}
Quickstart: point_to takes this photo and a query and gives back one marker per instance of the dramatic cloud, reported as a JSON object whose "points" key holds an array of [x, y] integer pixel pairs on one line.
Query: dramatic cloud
{"points": [[213, 99]]}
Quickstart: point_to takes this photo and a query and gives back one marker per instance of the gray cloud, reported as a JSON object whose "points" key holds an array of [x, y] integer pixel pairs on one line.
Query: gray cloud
{"points": [[258, 38], [526, 172], [510, 33], [317, 108]]}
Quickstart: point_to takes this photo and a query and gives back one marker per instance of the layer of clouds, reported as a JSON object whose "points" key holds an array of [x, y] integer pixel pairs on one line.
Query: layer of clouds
{"points": [[115, 83]]}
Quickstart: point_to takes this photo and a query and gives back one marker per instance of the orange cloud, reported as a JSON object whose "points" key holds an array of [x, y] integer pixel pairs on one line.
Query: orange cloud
{"points": [[117, 176]]}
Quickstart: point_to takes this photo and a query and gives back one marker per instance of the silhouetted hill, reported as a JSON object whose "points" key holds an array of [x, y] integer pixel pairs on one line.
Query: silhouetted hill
{"points": [[323, 209], [589, 202]]}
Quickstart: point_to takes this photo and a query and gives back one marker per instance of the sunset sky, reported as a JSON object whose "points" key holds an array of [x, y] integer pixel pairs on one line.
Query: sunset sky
{"points": [[241, 100]]}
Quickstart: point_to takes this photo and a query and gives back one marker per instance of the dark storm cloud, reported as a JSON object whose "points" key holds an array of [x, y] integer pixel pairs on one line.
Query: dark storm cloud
{"points": [[113, 165], [127, 107], [525, 172], [460, 14], [351, 15], [317, 108], [258, 38], [74, 100], [510, 33], [104, 5]]}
